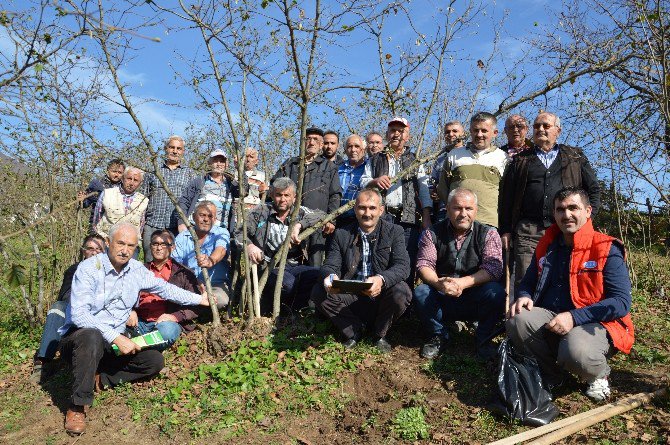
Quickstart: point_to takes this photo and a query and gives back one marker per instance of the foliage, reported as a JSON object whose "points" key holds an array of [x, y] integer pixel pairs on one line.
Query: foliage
{"points": [[410, 424], [18, 340]]}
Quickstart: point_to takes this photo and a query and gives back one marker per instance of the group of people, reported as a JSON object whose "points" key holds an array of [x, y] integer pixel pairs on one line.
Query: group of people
{"points": [[533, 198]]}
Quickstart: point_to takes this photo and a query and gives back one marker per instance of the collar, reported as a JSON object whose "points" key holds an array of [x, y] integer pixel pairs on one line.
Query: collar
{"points": [[109, 268], [165, 164], [583, 237], [467, 232], [167, 265], [476, 152], [540, 151]]}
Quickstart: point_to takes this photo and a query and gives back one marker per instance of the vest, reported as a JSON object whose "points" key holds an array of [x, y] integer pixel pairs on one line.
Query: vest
{"points": [[114, 212], [458, 263], [379, 164], [586, 284]]}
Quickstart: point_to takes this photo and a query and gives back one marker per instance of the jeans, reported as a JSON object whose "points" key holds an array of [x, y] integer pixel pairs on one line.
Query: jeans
{"points": [[481, 303], [295, 287], [170, 331], [50, 336]]}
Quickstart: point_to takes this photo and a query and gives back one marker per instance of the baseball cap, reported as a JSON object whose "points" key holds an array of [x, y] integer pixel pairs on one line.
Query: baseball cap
{"points": [[400, 120], [218, 152]]}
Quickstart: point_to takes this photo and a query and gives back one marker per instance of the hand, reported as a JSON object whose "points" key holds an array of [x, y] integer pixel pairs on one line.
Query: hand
{"points": [[328, 284], [181, 228], [126, 346], [132, 319], [452, 287], [433, 193], [295, 233], [81, 195], [383, 182], [255, 254], [204, 301], [328, 228], [506, 239], [519, 304], [204, 260], [376, 289], [561, 324], [166, 317]]}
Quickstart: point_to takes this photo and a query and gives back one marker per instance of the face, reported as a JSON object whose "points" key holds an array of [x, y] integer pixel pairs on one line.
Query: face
{"points": [[115, 173], [571, 214], [204, 218], [161, 248], [482, 134], [516, 130], [375, 144], [250, 160], [218, 164], [354, 149], [92, 247], [283, 200], [330, 144], [121, 247], [368, 211], [397, 135], [174, 151], [131, 181], [314, 144], [545, 132], [452, 132], [462, 211]]}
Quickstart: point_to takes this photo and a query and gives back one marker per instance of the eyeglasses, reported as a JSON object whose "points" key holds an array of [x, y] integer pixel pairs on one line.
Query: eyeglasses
{"points": [[516, 127], [157, 244], [545, 125], [89, 248]]}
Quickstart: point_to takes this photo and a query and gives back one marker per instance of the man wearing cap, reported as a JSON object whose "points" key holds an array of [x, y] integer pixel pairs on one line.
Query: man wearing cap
{"points": [[217, 186], [407, 201], [321, 188]]}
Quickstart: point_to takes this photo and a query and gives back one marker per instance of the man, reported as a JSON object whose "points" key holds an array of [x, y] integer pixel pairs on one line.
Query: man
{"points": [[454, 136], [573, 305], [256, 186], [152, 312], [112, 178], [161, 212], [460, 263], [375, 143], [331, 143], [121, 204], [217, 186], [267, 228], [321, 188], [479, 166], [214, 242], [350, 173], [104, 290], [516, 129], [92, 245], [371, 250], [531, 181], [407, 201]]}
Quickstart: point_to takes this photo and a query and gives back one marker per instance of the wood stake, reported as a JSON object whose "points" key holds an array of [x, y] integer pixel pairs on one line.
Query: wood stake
{"points": [[257, 294]]}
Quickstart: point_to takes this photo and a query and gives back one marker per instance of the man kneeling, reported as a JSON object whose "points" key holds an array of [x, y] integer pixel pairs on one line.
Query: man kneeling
{"points": [[104, 291], [573, 305], [371, 250]]}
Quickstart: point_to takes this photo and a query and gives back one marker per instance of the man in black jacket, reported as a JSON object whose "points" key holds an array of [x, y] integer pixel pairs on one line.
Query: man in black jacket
{"points": [[370, 250]]}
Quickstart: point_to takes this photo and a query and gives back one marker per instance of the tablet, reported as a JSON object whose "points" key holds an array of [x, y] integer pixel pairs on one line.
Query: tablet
{"points": [[351, 286]]}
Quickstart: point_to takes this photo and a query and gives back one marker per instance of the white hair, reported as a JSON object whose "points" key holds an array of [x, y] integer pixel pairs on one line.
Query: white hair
{"points": [[131, 169], [461, 191], [118, 226]]}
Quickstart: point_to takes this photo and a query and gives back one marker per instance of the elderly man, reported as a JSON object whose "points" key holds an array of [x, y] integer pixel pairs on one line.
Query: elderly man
{"points": [[152, 312], [104, 291], [531, 181], [214, 242], [573, 305], [516, 129], [401, 197], [217, 186], [256, 186], [479, 166], [454, 135], [121, 204], [331, 143], [161, 212], [370, 250], [267, 228], [321, 188], [460, 262], [375, 143], [350, 173], [112, 178]]}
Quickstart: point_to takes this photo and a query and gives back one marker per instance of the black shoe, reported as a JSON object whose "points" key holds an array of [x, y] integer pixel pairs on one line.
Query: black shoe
{"points": [[487, 352], [433, 347], [350, 343], [383, 346]]}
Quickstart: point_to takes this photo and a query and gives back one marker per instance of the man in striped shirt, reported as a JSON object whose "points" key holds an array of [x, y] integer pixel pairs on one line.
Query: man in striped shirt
{"points": [[350, 172]]}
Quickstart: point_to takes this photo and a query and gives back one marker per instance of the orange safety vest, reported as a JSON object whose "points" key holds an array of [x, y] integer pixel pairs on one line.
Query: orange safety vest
{"points": [[589, 254]]}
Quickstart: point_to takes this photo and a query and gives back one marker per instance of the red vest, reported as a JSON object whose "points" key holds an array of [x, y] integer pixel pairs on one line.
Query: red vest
{"points": [[589, 255]]}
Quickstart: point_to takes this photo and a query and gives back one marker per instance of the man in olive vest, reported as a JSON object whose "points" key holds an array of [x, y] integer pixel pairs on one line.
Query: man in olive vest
{"points": [[121, 204], [460, 262], [573, 305]]}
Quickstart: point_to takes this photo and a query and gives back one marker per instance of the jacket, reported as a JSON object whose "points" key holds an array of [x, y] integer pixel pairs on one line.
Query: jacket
{"points": [[191, 192], [321, 186], [411, 205]]}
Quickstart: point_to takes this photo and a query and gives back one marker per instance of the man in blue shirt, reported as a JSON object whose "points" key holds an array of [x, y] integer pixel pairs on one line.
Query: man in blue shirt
{"points": [[104, 290], [214, 243], [350, 172]]}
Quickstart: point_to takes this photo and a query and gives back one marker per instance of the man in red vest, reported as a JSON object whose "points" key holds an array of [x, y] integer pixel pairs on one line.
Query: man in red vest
{"points": [[573, 305]]}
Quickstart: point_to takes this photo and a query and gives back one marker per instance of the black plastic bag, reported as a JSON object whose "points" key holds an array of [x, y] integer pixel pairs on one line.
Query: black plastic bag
{"points": [[520, 392]]}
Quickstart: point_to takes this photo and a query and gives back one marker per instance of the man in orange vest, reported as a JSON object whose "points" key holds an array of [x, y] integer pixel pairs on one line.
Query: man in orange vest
{"points": [[573, 305]]}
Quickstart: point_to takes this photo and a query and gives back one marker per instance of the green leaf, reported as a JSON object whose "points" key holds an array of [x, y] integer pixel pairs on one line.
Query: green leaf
{"points": [[17, 275]]}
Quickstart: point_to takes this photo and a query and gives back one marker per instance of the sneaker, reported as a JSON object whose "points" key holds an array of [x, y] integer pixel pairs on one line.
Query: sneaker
{"points": [[433, 347], [383, 346], [598, 390]]}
